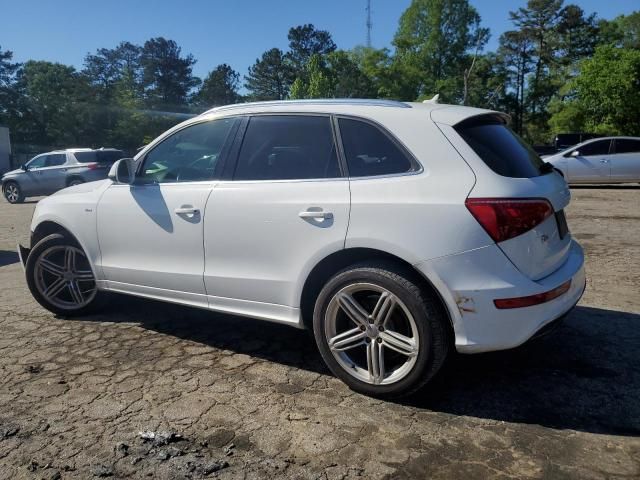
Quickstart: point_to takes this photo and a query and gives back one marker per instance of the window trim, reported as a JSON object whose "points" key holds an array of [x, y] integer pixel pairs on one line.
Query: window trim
{"points": [[416, 166], [224, 153], [595, 140], [230, 173]]}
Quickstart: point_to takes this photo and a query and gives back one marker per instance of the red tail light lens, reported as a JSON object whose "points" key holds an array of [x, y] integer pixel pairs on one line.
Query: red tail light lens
{"points": [[505, 218], [92, 166]]}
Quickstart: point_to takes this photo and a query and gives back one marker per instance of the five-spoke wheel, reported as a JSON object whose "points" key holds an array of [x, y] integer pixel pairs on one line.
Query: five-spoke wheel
{"points": [[59, 276], [379, 331]]}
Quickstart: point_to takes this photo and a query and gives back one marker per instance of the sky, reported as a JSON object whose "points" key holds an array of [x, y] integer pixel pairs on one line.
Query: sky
{"points": [[235, 32]]}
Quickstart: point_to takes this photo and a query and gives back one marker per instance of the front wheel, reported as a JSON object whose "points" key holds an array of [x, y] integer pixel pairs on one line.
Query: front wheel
{"points": [[13, 193], [75, 181], [60, 277], [379, 332]]}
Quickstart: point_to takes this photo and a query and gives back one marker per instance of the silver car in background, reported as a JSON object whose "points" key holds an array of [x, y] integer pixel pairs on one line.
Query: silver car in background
{"points": [[49, 172], [600, 160]]}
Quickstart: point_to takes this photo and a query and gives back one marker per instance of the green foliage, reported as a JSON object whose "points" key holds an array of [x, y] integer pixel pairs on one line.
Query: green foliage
{"points": [[270, 77], [219, 88], [305, 41], [607, 94]]}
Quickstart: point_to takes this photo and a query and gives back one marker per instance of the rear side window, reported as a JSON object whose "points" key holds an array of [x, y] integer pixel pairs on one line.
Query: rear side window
{"points": [[287, 147], [369, 151], [601, 147], [85, 157], [500, 148], [625, 145]]}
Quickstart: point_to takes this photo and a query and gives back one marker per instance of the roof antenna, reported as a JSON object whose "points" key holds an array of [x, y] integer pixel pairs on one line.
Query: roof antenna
{"points": [[432, 100], [369, 24]]}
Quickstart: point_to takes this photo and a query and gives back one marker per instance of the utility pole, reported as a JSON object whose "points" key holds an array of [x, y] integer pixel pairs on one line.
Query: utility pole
{"points": [[369, 24]]}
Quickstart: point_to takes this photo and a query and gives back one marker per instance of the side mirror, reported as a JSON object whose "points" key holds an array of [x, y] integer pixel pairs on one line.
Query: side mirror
{"points": [[123, 171], [24, 167], [575, 153]]}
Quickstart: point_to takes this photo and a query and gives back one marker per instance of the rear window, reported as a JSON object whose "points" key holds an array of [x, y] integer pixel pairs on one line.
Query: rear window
{"points": [[500, 148]]}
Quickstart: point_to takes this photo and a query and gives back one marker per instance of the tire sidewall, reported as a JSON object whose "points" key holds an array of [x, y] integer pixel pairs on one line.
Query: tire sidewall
{"points": [[415, 304], [55, 239], [20, 198]]}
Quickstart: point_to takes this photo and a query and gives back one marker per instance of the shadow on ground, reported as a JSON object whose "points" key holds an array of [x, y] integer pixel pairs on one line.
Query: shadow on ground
{"points": [[8, 258], [585, 376]]}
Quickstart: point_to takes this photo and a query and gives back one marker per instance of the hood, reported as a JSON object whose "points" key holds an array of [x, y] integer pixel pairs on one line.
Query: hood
{"points": [[83, 188], [12, 172]]}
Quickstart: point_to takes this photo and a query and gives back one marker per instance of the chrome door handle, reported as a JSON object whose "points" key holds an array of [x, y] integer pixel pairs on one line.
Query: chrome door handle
{"points": [[186, 211], [604, 161], [316, 214]]}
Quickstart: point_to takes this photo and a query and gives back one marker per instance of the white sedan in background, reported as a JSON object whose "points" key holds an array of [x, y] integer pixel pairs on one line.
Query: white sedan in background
{"points": [[600, 160]]}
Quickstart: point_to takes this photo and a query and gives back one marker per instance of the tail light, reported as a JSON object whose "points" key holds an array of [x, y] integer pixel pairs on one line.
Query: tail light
{"points": [[505, 218], [92, 166]]}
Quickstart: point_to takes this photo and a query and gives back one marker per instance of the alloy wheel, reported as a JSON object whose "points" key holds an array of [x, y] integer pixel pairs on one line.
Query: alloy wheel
{"points": [[12, 193], [371, 333], [64, 278]]}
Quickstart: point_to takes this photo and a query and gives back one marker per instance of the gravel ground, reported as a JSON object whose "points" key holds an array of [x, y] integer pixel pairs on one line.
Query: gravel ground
{"points": [[150, 390]]}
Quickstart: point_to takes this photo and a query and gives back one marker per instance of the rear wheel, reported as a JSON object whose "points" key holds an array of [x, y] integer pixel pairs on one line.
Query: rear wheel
{"points": [[379, 332], [60, 278], [13, 193], [75, 181]]}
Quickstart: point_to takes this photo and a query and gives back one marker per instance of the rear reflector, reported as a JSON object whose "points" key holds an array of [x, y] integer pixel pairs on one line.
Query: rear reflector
{"points": [[536, 299], [505, 218]]}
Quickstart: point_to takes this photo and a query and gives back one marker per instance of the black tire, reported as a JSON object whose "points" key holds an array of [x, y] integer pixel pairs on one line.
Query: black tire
{"points": [[44, 245], [9, 187], [429, 317], [75, 181]]}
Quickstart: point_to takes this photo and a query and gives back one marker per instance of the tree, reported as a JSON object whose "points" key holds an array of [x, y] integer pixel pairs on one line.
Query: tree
{"points": [[623, 31], [606, 94], [109, 65], [8, 94], [432, 43], [54, 105], [305, 41], [270, 77], [219, 88], [167, 76], [515, 52], [578, 34]]}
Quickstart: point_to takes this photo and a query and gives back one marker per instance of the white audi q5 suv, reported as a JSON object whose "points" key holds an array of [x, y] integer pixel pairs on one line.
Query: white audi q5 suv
{"points": [[396, 232]]}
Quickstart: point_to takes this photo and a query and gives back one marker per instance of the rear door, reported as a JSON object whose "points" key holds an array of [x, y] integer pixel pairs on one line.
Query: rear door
{"points": [[625, 160], [284, 207], [590, 163]]}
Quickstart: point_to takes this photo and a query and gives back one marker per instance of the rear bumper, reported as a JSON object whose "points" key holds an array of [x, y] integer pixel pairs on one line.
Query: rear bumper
{"points": [[469, 283]]}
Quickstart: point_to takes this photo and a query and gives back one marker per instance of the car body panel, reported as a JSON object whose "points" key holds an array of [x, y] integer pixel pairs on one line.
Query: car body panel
{"points": [[611, 167], [251, 253]]}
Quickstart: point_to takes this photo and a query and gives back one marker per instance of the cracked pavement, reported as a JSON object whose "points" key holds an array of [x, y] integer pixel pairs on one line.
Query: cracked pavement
{"points": [[239, 398]]}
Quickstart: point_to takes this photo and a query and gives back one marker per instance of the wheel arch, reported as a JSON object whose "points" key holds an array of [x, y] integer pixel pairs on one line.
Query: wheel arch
{"points": [[73, 177], [339, 260]]}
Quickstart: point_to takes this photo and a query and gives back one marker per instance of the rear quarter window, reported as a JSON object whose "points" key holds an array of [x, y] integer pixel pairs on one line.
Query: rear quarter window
{"points": [[500, 148]]}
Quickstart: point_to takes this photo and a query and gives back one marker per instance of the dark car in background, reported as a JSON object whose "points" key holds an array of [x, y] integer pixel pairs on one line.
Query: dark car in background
{"points": [[49, 172], [566, 140]]}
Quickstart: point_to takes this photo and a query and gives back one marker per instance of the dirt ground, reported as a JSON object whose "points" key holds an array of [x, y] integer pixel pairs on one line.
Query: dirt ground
{"points": [[230, 398]]}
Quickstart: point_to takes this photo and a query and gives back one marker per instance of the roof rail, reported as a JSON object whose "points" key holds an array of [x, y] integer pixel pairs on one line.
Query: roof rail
{"points": [[320, 101]]}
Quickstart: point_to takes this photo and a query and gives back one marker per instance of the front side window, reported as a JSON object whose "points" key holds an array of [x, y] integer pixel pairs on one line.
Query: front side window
{"points": [[56, 159], [189, 155], [600, 147], [38, 162], [627, 145], [287, 147], [369, 151]]}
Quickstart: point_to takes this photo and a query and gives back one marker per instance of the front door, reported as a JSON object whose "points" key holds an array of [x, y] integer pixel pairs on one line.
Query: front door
{"points": [[53, 175], [286, 207], [591, 164], [151, 232]]}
